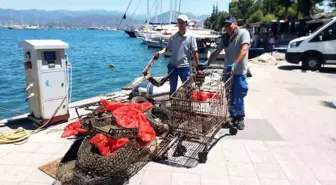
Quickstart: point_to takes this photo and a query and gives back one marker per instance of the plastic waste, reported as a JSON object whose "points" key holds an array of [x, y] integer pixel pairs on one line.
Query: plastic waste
{"points": [[73, 129], [105, 145], [130, 115]]}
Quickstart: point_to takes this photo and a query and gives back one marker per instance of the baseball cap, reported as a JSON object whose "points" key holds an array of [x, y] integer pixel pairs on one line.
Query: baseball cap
{"points": [[183, 18], [230, 19]]}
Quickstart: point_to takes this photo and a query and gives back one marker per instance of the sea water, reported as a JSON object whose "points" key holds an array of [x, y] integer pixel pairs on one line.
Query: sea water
{"points": [[90, 53]]}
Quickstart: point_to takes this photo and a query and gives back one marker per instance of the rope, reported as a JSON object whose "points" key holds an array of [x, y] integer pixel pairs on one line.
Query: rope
{"points": [[14, 136], [12, 110]]}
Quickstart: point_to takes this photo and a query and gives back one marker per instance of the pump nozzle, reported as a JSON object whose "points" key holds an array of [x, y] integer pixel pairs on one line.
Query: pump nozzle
{"points": [[31, 95], [28, 87]]}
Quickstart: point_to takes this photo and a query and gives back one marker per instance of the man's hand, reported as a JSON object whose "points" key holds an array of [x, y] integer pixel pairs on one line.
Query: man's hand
{"points": [[231, 67], [195, 64], [156, 55]]}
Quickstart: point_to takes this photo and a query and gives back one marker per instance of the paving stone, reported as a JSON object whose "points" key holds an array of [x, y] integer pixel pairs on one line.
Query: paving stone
{"points": [[297, 170], [10, 183], [13, 158], [214, 178], [304, 182], [269, 181], [18, 174], [232, 144], [285, 155], [306, 91], [255, 145], [330, 156], [5, 149], [241, 169], [196, 169], [236, 155], [261, 156], [52, 148], [269, 170], [328, 182], [186, 179], [37, 160], [325, 173], [258, 129], [137, 178], [39, 177], [157, 166], [28, 147], [5, 169], [214, 167], [244, 181], [156, 178], [311, 158]]}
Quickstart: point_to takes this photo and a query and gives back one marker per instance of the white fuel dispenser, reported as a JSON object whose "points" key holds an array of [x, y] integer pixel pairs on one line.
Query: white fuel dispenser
{"points": [[47, 67]]}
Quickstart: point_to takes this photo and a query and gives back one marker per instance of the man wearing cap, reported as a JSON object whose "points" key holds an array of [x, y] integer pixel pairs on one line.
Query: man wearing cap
{"points": [[236, 42], [183, 47]]}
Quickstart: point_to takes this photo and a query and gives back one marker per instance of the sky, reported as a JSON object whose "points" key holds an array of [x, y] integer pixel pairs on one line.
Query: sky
{"points": [[197, 7]]}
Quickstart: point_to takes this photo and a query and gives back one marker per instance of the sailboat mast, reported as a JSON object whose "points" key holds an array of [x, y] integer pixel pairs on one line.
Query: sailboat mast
{"points": [[125, 14], [156, 12], [171, 7], [161, 12], [175, 10], [147, 12], [180, 7]]}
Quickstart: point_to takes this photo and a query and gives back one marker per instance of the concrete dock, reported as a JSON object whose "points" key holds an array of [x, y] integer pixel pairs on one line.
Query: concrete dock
{"points": [[289, 139]]}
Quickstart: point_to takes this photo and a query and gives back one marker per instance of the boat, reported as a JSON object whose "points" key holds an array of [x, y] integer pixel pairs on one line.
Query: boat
{"points": [[155, 44], [93, 28], [32, 28], [15, 27], [131, 33]]}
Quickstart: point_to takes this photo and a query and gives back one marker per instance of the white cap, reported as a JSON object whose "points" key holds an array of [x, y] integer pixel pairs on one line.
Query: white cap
{"points": [[183, 18]]}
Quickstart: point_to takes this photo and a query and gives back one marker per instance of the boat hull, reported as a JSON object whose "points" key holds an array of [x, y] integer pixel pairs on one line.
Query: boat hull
{"points": [[130, 33]]}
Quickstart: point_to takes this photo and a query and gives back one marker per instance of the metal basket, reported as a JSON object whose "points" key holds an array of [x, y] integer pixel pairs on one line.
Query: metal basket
{"points": [[90, 161], [194, 117], [194, 120], [104, 122]]}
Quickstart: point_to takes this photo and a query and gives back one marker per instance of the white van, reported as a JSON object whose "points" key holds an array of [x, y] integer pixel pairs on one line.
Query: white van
{"points": [[316, 49]]}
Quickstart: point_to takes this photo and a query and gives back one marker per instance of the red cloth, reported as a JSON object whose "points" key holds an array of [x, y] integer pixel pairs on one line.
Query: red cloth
{"points": [[105, 145], [204, 96], [73, 129], [130, 115]]}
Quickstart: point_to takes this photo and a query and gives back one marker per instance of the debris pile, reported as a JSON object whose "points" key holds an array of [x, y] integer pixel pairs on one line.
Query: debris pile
{"points": [[274, 59], [116, 144]]}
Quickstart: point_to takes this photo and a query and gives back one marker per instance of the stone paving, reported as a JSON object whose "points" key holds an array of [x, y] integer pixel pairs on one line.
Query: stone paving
{"points": [[289, 140]]}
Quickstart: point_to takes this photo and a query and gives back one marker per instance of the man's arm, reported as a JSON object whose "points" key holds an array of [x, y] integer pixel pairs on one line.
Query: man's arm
{"points": [[196, 58], [214, 55], [245, 45], [243, 51], [220, 47], [194, 49]]}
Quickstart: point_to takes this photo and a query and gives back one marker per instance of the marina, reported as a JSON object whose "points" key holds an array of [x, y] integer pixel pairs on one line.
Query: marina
{"points": [[97, 105]]}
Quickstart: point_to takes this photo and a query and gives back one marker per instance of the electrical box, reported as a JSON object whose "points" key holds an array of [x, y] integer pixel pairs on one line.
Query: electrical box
{"points": [[45, 64]]}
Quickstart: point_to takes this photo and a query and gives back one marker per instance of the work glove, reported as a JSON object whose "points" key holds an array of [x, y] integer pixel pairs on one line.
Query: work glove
{"points": [[156, 55], [202, 65], [231, 67]]}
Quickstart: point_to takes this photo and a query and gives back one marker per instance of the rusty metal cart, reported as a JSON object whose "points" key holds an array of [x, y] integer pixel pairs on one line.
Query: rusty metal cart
{"points": [[198, 110]]}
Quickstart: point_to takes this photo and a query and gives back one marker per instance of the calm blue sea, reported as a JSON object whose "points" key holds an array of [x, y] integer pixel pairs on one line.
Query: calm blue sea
{"points": [[90, 53]]}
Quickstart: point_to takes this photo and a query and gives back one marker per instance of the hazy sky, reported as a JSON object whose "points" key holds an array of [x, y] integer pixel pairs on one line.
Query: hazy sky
{"points": [[197, 7]]}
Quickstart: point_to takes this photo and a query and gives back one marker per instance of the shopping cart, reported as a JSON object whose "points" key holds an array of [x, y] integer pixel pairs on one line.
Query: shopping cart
{"points": [[199, 108]]}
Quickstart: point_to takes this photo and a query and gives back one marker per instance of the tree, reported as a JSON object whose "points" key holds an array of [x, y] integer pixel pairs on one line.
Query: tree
{"points": [[286, 4], [269, 18], [240, 9], [257, 16]]}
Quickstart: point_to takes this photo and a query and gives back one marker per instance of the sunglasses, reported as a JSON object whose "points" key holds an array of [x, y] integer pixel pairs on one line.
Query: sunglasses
{"points": [[227, 25]]}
